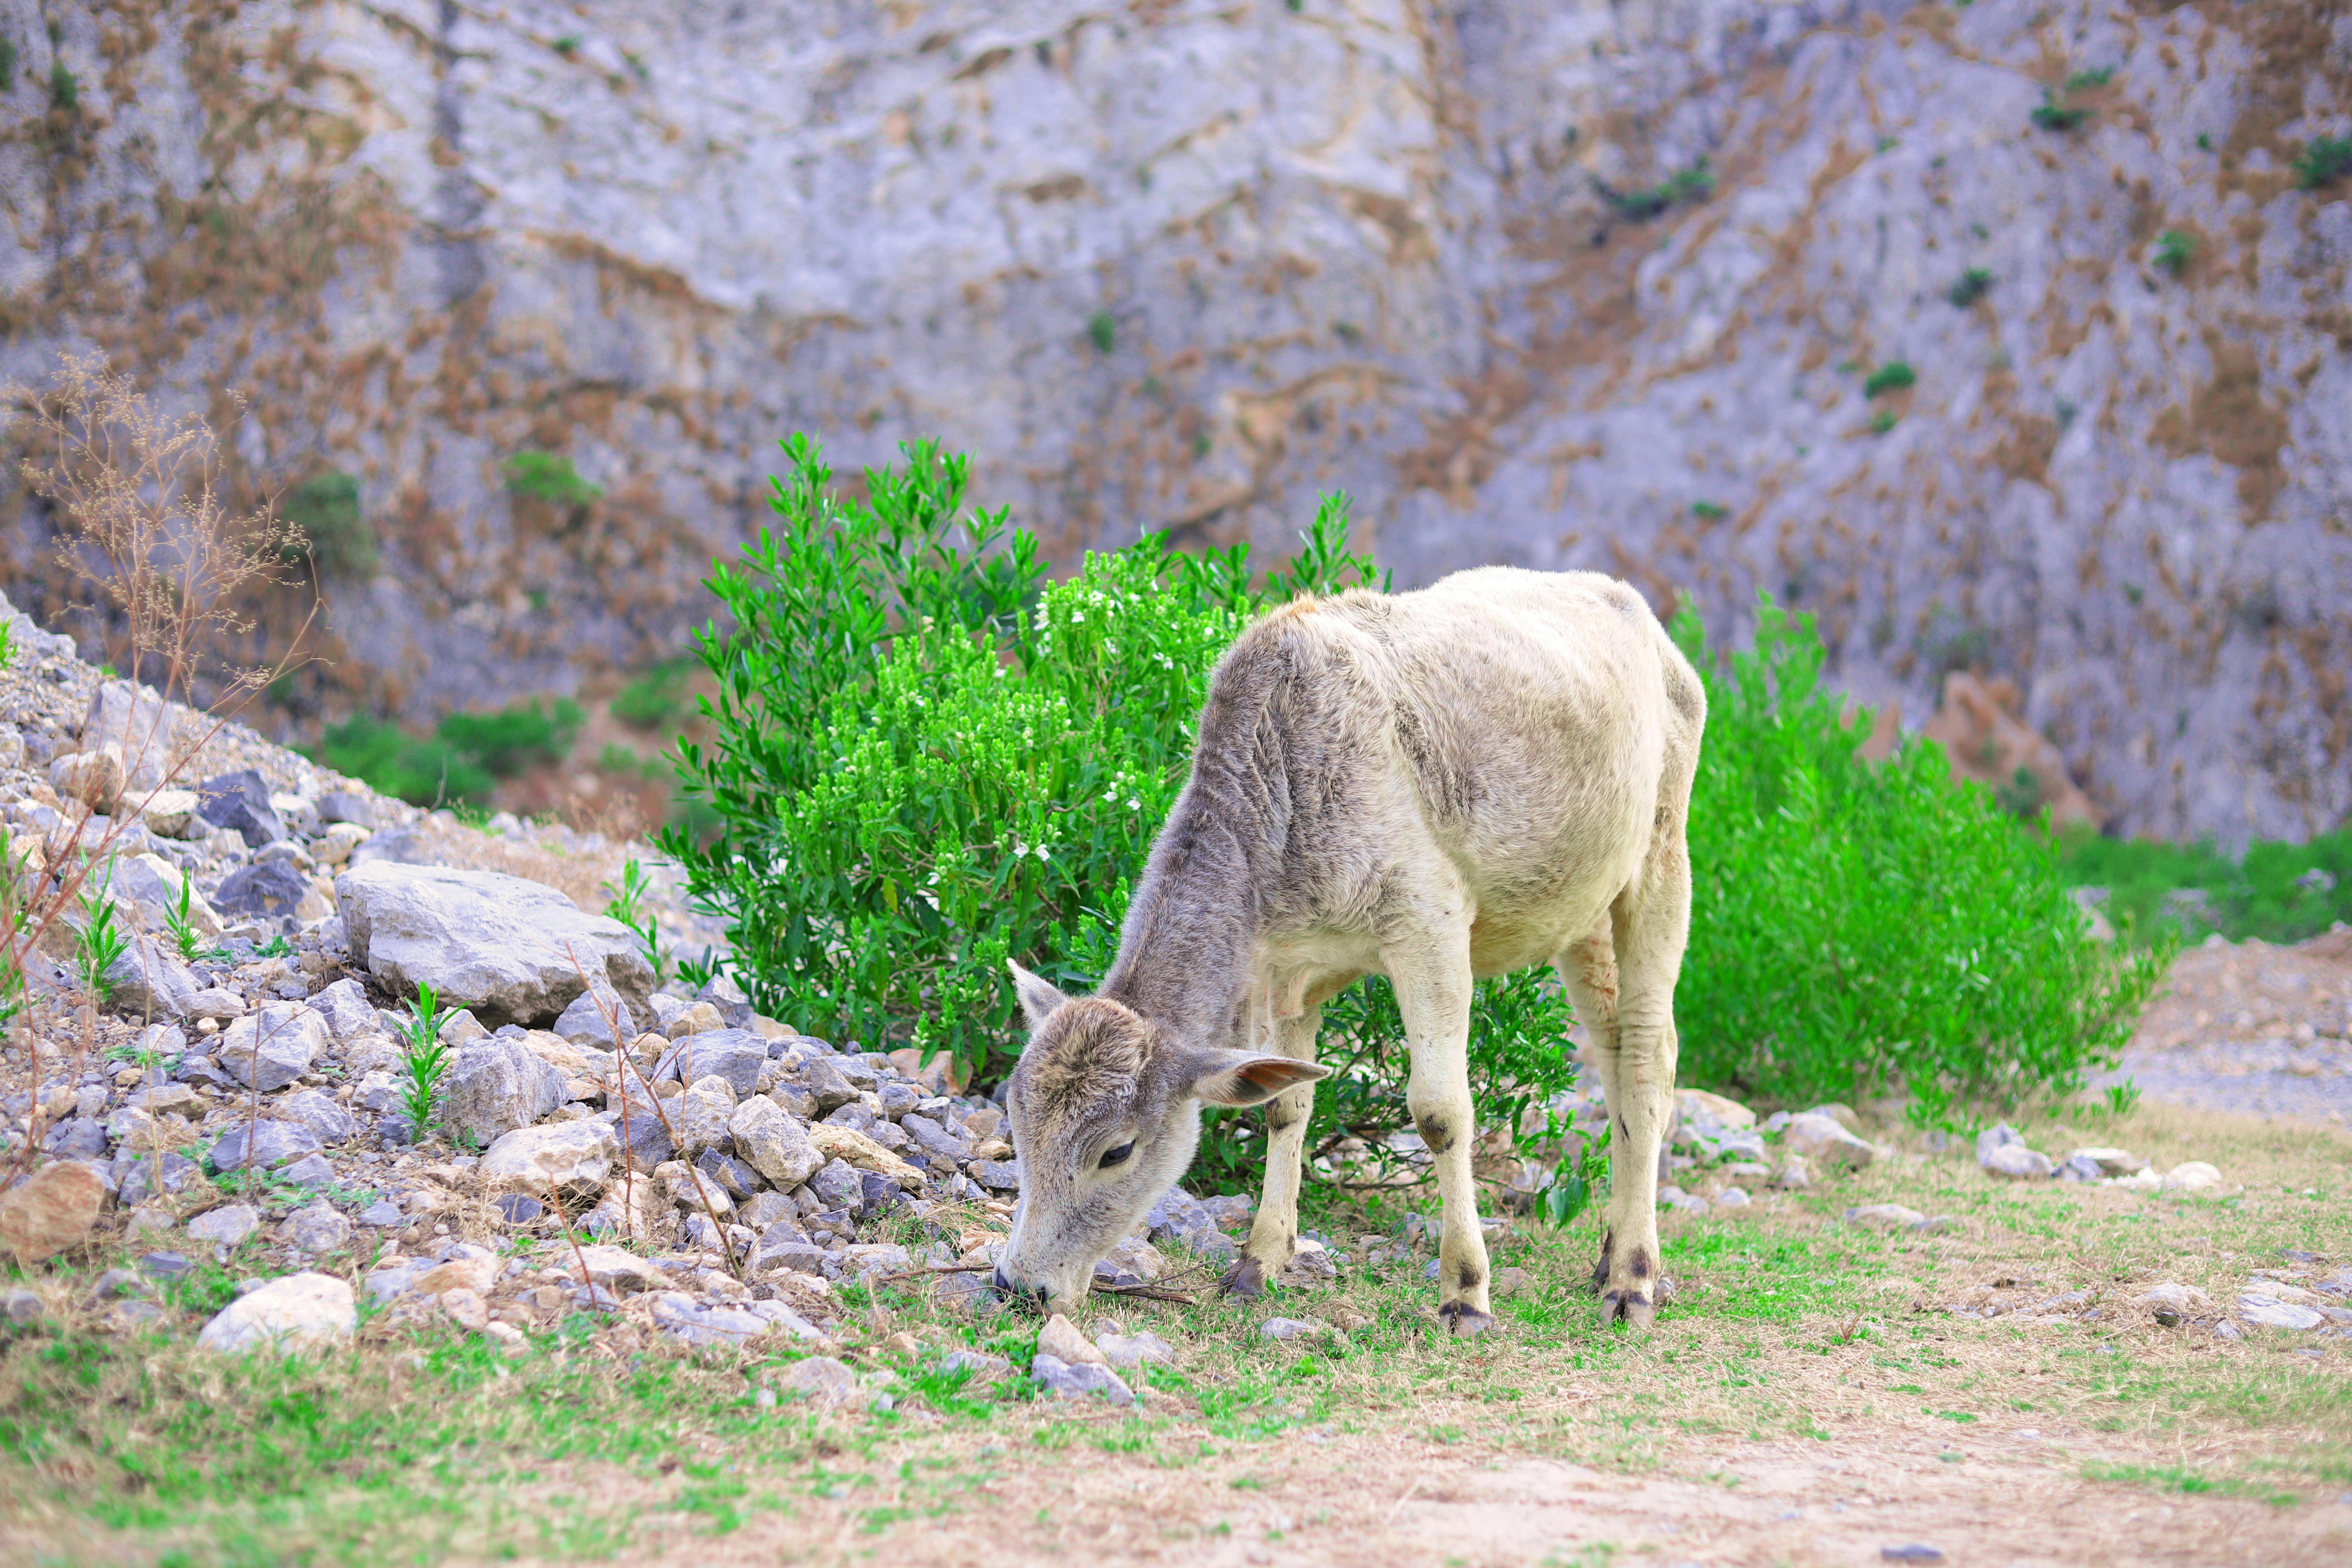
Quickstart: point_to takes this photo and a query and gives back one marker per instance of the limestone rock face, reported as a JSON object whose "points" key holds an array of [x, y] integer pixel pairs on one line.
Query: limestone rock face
{"points": [[1182, 270], [509, 949]]}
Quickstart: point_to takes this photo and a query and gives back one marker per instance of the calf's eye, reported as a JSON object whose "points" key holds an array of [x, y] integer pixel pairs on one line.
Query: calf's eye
{"points": [[1116, 1156]]}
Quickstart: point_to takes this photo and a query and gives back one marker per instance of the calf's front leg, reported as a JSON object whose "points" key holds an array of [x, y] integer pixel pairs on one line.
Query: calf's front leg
{"points": [[1433, 992]]}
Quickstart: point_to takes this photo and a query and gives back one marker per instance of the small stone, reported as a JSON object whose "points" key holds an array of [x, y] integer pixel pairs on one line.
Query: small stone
{"points": [[997, 1176], [290, 1313], [823, 1078], [240, 801], [270, 890], [773, 1142], [690, 1190], [2109, 1162], [321, 1227], [90, 778], [1067, 1380], [170, 813], [21, 1307], [226, 1226], [1794, 1175], [348, 1014], [1819, 1136], [383, 1214], [820, 1380], [1732, 1198], [495, 1085], [2191, 1176], [1061, 1338], [335, 846], [2226, 1330], [270, 1049], [145, 981], [309, 1170], [856, 1149], [164, 1265], [1289, 1328], [698, 1118], [1884, 1216], [586, 1022], [467, 1309], [2001, 1135], [571, 1157], [1135, 1350], [50, 1210], [2260, 1307], [1910, 1552], [314, 1108], [2016, 1162], [739, 1056], [2168, 1304], [336, 806], [837, 1186]]}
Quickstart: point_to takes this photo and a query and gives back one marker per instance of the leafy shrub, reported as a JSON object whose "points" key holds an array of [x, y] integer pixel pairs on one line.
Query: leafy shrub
{"points": [[65, 90], [2324, 161], [1695, 183], [1707, 512], [2098, 76], [1972, 286], [1856, 928], [929, 759], [655, 700], [325, 510], [2278, 892], [549, 477], [1894, 375], [461, 762], [1102, 330], [1882, 422], [2173, 251], [2050, 114]]}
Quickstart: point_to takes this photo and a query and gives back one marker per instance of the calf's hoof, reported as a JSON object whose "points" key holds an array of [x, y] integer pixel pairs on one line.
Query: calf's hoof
{"points": [[1631, 1307], [1464, 1322], [1245, 1279], [1601, 1270]]}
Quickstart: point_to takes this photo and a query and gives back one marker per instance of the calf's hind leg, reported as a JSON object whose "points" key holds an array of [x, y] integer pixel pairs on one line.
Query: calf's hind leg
{"points": [[1649, 924], [1432, 993], [1588, 969]]}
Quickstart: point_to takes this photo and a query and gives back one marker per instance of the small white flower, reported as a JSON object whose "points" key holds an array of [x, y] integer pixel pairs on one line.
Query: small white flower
{"points": [[1041, 852], [1134, 804]]}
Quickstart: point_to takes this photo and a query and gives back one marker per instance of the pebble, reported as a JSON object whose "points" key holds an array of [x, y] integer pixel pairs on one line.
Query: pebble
{"points": [[226, 1226], [1290, 1328], [1067, 1380]]}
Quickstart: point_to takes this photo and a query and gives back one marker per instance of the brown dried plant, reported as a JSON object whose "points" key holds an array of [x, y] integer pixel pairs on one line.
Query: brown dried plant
{"points": [[136, 494]]}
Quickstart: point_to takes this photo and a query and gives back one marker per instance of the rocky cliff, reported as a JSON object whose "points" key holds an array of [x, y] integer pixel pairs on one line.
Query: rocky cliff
{"points": [[1561, 284]]}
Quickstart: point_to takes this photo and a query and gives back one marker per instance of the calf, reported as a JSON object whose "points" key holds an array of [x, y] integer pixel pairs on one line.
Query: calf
{"points": [[1435, 786]]}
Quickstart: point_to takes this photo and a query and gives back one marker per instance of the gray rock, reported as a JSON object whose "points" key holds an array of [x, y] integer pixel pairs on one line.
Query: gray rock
{"points": [[321, 1227], [1140, 1348], [1064, 1380], [820, 1380], [855, 1116], [837, 1186], [383, 1213], [495, 1085], [776, 1250], [77, 1138], [350, 1017], [270, 890], [777, 1146], [583, 1021], [2256, 1306], [1291, 1328], [571, 1157], [329, 1122], [309, 1170], [379, 1093], [736, 1055], [1885, 1217], [823, 1080], [2015, 1163], [512, 951], [2001, 1135], [698, 1118], [274, 1143], [769, 1209], [240, 801], [139, 1183], [270, 1048], [679, 1314], [344, 805], [147, 982], [1818, 1136], [226, 1226], [997, 1176], [645, 1138], [739, 1179], [300, 1311]]}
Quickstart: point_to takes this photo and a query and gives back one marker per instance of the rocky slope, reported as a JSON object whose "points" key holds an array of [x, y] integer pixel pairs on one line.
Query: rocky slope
{"points": [[1179, 265]]}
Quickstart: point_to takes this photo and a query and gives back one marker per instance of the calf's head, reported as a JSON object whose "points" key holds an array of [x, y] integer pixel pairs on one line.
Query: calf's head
{"points": [[1105, 1108]]}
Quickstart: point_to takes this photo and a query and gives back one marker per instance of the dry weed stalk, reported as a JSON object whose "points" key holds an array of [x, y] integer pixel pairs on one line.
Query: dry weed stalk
{"points": [[137, 494]]}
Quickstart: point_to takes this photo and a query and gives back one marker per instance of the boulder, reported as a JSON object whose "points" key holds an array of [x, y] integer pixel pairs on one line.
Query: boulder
{"points": [[240, 801], [313, 1109], [337, 806], [152, 884], [1818, 1136], [736, 1055], [574, 1158], [512, 951], [270, 890], [584, 1021], [265, 1145], [774, 1143], [91, 779], [49, 1210], [296, 1312], [272, 1047], [495, 1084], [147, 982], [2264, 1307], [349, 1015], [140, 725], [1724, 1112], [698, 1118]]}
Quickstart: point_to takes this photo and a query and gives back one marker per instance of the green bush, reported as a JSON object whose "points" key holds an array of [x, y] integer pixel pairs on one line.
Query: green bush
{"points": [[1971, 286], [549, 477], [656, 700], [929, 760], [461, 762], [1695, 183], [2050, 114], [2174, 250], [325, 508], [1857, 929], [2277, 893]]}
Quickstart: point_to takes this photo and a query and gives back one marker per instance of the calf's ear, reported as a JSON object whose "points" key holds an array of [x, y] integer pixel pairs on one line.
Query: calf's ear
{"points": [[1038, 997], [1244, 1078]]}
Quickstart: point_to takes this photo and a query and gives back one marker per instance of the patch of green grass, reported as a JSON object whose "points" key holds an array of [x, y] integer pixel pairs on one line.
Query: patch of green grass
{"points": [[2276, 891], [2174, 251], [1882, 421], [547, 477], [1894, 375], [1707, 512], [2324, 161], [1102, 330], [2050, 114], [335, 537], [2097, 77], [1971, 286], [2180, 1478], [462, 761], [1693, 184], [656, 700]]}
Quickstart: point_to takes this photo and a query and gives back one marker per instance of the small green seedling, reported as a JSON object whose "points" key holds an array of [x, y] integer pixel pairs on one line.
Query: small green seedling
{"points": [[2173, 251], [100, 944], [180, 921], [426, 1059], [627, 905], [1894, 375], [2053, 115]]}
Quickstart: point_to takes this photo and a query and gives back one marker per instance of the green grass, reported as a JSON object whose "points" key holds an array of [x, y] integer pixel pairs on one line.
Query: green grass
{"points": [[1971, 287], [2324, 161], [1894, 375], [2174, 251], [547, 477], [2276, 891], [1693, 184]]}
